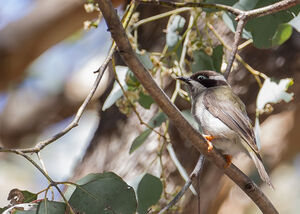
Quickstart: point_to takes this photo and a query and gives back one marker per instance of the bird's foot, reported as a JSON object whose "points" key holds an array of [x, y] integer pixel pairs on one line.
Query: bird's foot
{"points": [[209, 138], [228, 159]]}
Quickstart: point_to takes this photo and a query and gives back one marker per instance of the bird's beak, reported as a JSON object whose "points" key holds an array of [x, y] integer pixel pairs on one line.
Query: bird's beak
{"points": [[184, 79]]}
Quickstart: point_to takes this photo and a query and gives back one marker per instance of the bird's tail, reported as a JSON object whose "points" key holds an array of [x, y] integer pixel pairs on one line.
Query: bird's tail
{"points": [[260, 168]]}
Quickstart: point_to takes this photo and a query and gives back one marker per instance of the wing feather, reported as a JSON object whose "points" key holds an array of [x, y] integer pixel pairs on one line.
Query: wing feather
{"points": [[231, 111]]}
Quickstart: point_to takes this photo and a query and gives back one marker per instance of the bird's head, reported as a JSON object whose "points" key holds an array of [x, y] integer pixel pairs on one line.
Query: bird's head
{"points": [[202, 80]]}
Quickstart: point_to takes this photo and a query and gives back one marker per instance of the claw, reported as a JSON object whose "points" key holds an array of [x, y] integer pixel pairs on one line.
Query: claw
{"points": [[228, 160]]}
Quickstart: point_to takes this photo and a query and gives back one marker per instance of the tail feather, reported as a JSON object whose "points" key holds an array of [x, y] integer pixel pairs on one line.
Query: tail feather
{"points": [[261, 169]]}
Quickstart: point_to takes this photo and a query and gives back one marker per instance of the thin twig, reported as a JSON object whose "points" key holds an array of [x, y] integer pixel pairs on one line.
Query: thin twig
{"points": [[44, 168], [173, 4], [195, 174], [237, 37], [142, 122], [163, 101], [160, 16]]}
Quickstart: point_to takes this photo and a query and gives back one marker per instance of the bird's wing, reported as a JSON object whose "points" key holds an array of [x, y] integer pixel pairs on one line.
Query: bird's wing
{"points": [[231, 111]]}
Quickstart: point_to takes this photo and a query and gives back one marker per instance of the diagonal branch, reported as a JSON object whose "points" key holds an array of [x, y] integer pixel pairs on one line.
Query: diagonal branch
{"points": [[163, 101]]}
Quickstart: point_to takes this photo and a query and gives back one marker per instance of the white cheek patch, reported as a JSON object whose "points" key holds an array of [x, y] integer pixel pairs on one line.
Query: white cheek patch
{"points": [[219, 77]]}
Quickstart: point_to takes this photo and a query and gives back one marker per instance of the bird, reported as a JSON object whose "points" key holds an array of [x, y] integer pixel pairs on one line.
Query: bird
{"points": [[223, 118]]}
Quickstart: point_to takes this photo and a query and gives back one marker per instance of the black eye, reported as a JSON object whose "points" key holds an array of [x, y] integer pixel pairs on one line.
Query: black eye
{"points": [[201, 77]]}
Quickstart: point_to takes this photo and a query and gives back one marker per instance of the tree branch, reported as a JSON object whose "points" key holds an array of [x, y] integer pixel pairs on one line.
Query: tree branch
{"points": [[130, 58]]}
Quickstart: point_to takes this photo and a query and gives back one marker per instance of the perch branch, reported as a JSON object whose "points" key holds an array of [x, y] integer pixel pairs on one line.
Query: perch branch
{"points": [[118, 34]]}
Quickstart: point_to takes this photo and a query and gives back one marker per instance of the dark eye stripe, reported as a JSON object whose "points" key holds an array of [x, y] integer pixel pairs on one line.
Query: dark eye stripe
{"points": [[208, 83]]}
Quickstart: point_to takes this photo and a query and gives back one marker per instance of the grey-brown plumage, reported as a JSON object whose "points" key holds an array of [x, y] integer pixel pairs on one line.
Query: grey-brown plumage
{"points": [[222, 114]]}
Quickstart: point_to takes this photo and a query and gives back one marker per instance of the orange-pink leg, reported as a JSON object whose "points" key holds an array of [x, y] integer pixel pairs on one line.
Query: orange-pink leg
{"points": [[209, 138], [228, 159]]}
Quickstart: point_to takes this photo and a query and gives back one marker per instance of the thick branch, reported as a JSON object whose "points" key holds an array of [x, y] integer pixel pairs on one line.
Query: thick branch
{"points": [[130, 58]]}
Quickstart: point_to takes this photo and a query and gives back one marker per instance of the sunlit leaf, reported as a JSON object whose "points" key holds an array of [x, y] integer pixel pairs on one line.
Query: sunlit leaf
{"points": [[274, 92], [282, 34], [174, 28], [116, 92], [103, 193], [148, 192]]}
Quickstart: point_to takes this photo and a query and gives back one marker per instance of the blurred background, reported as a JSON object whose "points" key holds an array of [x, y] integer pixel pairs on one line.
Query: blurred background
{"points": [[47, 61]]}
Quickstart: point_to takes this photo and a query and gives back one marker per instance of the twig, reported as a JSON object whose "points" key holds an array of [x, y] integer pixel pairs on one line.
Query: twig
{"points": [[173, 4], [132, 104], [237, 37], [191, 134], [195, 174]]}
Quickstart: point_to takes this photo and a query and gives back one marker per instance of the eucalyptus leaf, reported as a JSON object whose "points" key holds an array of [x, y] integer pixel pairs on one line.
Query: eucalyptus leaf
{"points": [[175, 26], [145, 100], [156, 121], [273, 92], [116, 92], [51, 207], [139, 140], [148, 192], [103, 193], [202, 61], [282, 34]]}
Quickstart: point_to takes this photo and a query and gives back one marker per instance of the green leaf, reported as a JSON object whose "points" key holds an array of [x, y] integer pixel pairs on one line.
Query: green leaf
{"points": [[103, 193], [145, 100], [131, 81], [282, 34], [202, 61], [217, 57], [28, 196], [273, 92], [139, 140], [156, 121], [227, 2], [148, 192], [116, 92], [52, 207], [174, 28]]}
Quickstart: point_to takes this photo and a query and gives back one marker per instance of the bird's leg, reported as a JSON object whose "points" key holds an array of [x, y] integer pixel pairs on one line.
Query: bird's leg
{"points": [[228, 159], [209, 138]]}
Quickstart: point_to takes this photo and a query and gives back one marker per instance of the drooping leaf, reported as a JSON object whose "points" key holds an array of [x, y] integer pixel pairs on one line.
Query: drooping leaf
{"points": [[139, 140], [282, 34], [116, 92], [148, 192], [51, 207], [274, 92], [156, 121], [103, 193], [174, 28], [145, 100], [29, 196], [217, 57]]}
